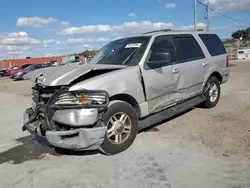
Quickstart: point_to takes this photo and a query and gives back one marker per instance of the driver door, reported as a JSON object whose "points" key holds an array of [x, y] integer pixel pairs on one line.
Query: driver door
{"points": [[163, 78]]}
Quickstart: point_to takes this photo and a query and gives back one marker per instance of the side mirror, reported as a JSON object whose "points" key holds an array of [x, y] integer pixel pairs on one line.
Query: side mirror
{"points": [[158, 59]]}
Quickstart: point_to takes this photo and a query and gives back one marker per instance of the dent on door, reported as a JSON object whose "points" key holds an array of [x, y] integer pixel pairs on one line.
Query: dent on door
{"points": [[165, 91]]}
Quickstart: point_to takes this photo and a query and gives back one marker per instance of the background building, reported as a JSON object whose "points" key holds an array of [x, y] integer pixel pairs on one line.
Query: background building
{"points": [[5, 64]]}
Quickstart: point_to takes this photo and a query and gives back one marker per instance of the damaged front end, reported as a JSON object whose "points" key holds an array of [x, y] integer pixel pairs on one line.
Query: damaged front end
{"points": [[64, 119]]}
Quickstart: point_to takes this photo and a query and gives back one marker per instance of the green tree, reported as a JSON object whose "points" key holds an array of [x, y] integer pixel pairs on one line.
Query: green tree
{"points": [[247, 33], [88, 53], [242, 33], [85, 53]]}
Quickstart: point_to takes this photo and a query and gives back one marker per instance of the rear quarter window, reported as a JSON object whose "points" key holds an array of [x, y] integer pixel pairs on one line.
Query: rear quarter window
{"points": [[213, 44]]}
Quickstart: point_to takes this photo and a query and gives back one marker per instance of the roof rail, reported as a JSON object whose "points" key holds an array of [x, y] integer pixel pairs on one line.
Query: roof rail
{"points": [[170, 30], [161, 30]]}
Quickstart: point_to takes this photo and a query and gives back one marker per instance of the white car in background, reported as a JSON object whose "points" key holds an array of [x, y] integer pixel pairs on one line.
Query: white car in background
{"points": [[243, 54], [72, 62]]}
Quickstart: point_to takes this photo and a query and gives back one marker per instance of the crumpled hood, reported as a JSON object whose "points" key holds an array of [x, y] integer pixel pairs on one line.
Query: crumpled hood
{"points": [[64, 75]]}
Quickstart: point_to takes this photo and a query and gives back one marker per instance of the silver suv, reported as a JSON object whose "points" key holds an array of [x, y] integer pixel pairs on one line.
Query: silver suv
{"points": [[132, 83]]}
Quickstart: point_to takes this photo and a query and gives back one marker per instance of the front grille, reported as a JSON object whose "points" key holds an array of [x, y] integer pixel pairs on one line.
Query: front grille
{"points": [[35, 96], [41, 98], [42, 95]]}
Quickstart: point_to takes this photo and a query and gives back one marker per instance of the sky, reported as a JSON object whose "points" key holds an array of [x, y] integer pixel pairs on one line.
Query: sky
{"points": [[38, 28]]}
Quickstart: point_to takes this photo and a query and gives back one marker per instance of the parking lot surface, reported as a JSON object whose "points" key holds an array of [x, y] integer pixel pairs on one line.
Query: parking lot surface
{"points": [[199, 149]]}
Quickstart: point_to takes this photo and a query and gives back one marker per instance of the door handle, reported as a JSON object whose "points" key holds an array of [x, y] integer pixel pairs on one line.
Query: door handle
{"points": [[176, 70], [204, 64]]}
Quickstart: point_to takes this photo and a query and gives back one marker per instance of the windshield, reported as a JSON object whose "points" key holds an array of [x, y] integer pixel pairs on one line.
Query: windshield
{"points": [[12, 67], [122, 51], [29, 67]]}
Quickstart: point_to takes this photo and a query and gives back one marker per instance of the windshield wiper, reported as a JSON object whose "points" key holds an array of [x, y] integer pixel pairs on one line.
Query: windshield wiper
{"points": [[136, 50]]}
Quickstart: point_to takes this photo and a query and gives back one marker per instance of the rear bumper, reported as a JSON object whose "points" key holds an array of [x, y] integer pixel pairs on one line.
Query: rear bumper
{"points": [[225, 78], [74, 139], [225, 73]]}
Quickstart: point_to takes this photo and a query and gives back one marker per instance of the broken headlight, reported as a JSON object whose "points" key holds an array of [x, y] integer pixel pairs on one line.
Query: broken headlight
{"points": [[82, 98]]}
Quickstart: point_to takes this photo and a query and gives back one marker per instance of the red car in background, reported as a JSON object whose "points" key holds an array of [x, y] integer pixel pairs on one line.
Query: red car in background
{"points": [[9, 69], [15, 69]]}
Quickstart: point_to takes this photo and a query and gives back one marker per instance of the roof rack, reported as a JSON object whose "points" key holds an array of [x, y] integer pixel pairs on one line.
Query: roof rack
{"points": [[161, 30], [169, 30]]}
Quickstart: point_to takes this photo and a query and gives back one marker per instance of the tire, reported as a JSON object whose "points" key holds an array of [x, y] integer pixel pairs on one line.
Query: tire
{"points": [[110, 146], [63, 151], [211, 102], [60, 151]]}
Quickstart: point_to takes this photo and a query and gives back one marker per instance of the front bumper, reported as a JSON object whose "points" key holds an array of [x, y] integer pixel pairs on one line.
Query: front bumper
{"points": [[74, 139]]}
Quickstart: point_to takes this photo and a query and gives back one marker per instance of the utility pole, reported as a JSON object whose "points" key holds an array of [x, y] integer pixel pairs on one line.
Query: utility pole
{"points": [[195, 2], [207, 16]]}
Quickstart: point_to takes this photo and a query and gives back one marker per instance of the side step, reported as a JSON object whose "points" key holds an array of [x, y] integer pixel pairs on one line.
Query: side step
{"points": [[170, 112]]}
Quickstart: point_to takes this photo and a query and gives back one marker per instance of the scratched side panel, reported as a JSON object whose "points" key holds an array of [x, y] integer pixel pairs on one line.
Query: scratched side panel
{"points": [[123, 81], [163, 88]]}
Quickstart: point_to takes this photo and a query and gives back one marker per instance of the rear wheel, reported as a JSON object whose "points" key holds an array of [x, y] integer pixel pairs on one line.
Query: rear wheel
{"points": [[122, 122], [212, 94]]}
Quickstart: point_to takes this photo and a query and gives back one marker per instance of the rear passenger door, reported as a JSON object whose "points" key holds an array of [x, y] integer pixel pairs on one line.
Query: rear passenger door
{"points": [[193, 64]]}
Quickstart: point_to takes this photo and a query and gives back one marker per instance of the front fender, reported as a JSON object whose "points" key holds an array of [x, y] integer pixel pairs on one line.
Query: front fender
{"points": [[122, 81]]}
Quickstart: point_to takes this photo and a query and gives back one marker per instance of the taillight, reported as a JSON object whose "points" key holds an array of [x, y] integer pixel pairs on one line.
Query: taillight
{"points": [[227, 63]]}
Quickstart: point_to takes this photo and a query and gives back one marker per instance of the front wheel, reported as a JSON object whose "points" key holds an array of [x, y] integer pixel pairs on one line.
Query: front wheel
{"points": [[122, 122], [212, 94]]}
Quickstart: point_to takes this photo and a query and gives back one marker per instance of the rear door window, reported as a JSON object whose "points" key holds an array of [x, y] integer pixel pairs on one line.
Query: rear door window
{"points": [[187, 48], [213, 44]]}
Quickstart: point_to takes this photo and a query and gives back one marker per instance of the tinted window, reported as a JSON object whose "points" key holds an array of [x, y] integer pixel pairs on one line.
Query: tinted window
{"points": [[163, 44], [38, 66], [213, 44], [35, 66], [187, 48]]}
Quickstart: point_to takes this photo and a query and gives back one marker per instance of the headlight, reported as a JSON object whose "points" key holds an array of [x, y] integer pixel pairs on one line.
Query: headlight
{"points": [[18, 73], [83, 98]]}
